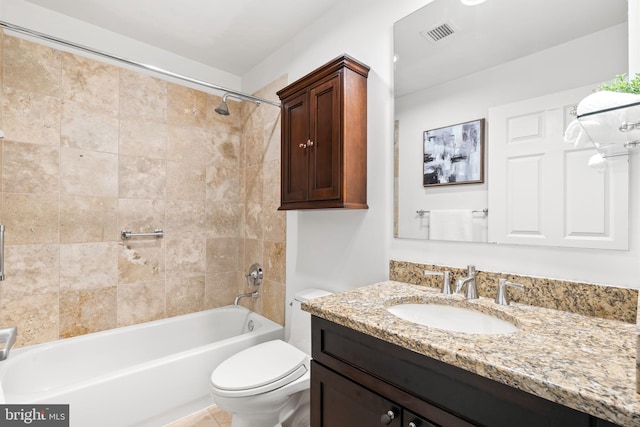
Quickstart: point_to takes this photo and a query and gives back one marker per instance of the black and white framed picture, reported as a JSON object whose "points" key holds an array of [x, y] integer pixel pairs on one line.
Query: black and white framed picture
{"points": [[454, 154]]}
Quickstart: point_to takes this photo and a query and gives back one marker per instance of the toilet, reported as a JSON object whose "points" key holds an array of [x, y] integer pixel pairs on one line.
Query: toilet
{"points": [[267, 385]]}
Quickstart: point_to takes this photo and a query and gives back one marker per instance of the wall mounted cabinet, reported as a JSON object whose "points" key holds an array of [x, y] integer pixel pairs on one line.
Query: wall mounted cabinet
{"points": [[324, 138]]}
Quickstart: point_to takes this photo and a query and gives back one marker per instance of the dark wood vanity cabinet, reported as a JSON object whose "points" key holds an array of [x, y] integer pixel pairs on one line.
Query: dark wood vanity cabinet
{"points": [[324, 138], [338, 401], [357, 379]]}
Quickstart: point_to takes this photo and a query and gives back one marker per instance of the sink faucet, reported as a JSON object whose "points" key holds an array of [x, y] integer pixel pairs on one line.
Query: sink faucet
{"points": [[446, 284], [470, 281], [502, 297]]}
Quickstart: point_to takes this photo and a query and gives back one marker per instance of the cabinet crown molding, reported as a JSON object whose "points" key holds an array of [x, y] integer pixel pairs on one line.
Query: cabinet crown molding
{"points": [[333, 66]]}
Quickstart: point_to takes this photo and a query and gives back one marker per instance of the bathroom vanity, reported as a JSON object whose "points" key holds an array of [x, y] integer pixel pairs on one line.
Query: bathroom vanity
{"points": [[373, 368]]}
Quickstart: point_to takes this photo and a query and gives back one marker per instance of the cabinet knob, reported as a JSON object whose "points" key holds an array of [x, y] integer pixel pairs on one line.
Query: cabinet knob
{"points": [[308, 144], [386, 419]]}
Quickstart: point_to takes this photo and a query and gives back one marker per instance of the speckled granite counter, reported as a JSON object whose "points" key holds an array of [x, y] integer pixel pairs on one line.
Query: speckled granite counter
{"points": [[585, 363]]}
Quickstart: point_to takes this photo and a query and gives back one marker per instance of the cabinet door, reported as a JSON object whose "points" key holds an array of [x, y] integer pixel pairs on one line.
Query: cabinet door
{"points": [[295, 158], [325, 124], [338, 402]]}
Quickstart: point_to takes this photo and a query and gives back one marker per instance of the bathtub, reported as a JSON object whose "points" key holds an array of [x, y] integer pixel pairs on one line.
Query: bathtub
{"points": [[143, 375]]}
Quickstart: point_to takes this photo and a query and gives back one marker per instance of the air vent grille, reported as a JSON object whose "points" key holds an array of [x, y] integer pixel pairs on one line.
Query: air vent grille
{"points": [[438, 33]]}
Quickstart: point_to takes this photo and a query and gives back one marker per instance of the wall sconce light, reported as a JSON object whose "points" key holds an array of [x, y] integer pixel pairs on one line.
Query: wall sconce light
{"points": [[1, 134]]}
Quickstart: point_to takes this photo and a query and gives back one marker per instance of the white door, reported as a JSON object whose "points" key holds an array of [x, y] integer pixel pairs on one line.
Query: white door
{"points": [[541, 190]]}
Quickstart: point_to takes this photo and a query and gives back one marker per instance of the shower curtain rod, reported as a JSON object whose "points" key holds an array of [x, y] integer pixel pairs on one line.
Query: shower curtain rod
{"points": [[42, 36]]}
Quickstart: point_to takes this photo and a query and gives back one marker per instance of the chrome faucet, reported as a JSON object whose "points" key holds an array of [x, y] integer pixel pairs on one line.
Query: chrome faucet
{"points": [[470, 281], [8, 337], [502, 296], [253, 294], [446, 282], [255, 275]]}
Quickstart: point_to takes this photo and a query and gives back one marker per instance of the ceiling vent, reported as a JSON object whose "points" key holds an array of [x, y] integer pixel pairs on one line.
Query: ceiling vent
{"points": [[439, 32]]}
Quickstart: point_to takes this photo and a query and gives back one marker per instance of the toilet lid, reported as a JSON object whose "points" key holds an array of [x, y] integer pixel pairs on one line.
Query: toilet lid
{"points": [[270, 363]]}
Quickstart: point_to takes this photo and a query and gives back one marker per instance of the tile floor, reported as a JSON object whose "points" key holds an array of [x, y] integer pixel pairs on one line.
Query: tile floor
{"points": [[210, 417]]}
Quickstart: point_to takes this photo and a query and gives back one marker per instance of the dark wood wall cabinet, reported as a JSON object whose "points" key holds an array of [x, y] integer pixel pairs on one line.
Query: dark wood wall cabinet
{"points": [[324, 138], [361, 381]]}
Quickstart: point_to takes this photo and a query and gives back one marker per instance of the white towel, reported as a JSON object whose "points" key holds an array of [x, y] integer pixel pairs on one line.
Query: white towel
{"points": [[453, 224], [603, 100], [575, 134], [597, 162]]}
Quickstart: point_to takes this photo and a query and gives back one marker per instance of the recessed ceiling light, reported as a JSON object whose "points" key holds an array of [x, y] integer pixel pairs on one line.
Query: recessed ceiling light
{"points": [[472, 2]]}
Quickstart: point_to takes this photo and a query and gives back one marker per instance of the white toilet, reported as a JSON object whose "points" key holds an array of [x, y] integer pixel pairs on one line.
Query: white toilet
{"points": [[267, 385]]}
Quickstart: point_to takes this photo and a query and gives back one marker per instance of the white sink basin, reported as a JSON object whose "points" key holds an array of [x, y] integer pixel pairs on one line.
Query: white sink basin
{"points": [[452, 318]]}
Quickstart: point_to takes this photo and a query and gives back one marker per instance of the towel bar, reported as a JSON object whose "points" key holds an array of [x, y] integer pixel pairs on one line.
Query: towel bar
{"points": [[127, 234], [422, 212]]}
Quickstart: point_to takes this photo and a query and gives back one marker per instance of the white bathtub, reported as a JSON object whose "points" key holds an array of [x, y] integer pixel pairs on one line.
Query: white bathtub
{"points": [[143, 375]]}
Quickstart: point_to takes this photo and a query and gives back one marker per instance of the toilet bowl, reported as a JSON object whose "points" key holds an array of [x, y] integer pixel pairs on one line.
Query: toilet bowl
{"points": [[267, 385]]}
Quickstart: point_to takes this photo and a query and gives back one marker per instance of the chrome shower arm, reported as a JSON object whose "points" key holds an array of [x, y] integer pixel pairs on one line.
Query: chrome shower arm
{"points": [[240, 97]]}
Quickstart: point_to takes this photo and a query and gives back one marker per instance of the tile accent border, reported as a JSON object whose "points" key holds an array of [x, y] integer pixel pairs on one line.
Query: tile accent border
{"points": [[587, 299]]}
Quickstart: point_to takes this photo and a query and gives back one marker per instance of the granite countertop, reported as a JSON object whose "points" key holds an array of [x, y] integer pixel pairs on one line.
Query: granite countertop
{"points": [[585, 363]]}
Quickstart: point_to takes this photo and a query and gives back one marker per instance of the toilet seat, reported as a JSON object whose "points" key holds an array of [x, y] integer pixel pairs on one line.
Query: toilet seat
{"points": [[259, 369]]}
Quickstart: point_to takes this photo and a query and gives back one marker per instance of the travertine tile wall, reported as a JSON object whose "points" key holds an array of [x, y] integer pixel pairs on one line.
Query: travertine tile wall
{"points": [[264, 225], [92, 149]]}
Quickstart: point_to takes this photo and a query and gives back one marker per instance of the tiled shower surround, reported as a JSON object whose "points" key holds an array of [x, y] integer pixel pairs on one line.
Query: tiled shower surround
{"points": [[92, 149]]}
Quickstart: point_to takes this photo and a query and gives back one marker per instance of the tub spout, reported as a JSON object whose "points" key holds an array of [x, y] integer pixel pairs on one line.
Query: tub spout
{"points": [[253, 294], [8, 337]]}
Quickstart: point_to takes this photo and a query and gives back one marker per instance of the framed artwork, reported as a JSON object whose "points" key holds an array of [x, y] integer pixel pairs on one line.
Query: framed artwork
{"points": [[454, 154]]}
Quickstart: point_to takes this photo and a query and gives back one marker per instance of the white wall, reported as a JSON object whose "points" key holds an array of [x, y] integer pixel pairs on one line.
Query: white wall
{"points": [[340, 250], [335, 249]]}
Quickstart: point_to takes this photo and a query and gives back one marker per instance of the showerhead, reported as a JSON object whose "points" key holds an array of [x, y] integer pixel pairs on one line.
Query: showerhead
{"points": [[223, 108]]}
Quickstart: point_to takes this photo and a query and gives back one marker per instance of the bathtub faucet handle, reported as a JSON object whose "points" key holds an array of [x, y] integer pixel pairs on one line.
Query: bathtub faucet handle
{"points": [[254, 277]]}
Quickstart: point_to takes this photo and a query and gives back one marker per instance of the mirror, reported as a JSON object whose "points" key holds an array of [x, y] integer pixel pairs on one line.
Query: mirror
{"points": [[454, 63]]}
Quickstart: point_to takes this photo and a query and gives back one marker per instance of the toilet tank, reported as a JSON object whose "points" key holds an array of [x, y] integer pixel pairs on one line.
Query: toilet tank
{"points": [[300, 330]]}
